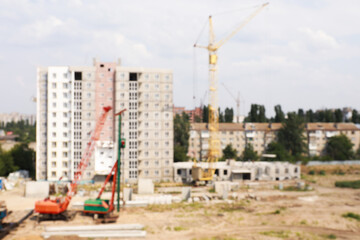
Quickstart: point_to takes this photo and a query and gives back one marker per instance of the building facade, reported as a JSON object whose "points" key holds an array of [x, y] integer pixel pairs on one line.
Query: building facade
{"points": [[259, 135], [70, 99]]}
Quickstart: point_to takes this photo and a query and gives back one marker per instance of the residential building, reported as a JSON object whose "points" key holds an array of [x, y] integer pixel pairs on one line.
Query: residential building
{"points": [[193, 114], [319, 133], [259, 135], [70, 99], [16, 117]]}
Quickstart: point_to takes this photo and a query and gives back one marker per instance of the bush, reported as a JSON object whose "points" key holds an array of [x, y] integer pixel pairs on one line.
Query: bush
{"points": [[352, 215], [348, 184]]}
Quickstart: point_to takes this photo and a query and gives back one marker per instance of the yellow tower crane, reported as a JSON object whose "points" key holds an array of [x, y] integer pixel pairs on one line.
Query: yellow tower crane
{"points": [[199, 174]]}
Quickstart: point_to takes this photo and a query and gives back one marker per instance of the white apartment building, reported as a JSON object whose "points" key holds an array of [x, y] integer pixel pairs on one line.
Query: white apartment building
{"points": [[71, 99]]}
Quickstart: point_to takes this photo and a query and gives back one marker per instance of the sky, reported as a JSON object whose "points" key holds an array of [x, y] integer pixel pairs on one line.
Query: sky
{"points": [[299, 54]]}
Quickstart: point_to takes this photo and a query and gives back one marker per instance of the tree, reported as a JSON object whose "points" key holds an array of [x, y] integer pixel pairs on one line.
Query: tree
{"points": [[279, 150], [197, 119], [355, 118], [338, 115], [256, 114], [262, 117], [279, 114], [180, 154], [229, 152], [328, 116], [301, 114], [205, 114], [181, 136], [249, 153], [221, 116], [229, 115], [339, 148], [357, 154], [291, 135], [24, 158], [6, 163], [310, 116], [26, 132]]}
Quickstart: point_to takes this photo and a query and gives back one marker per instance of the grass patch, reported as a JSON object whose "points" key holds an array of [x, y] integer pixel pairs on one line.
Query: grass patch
{"points": [[175, 206], [329, 236], [232, 207], [296, 189], [211, 190], [352, 215], [348, 184], [278, 234], [303, 222], [179, 228]]}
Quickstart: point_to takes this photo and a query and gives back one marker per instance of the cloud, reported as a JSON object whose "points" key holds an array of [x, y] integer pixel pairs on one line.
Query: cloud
{"points": [[268, 63], [20, 81], [319, 38]]}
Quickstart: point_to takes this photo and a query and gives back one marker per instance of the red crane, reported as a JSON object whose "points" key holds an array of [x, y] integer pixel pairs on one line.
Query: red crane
{"points": [[57, 207]]}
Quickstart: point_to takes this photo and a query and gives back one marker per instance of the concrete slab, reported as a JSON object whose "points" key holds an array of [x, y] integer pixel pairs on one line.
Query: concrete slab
{"points": [[145, 186], [185, 193], [36, 189], [128, 194]]}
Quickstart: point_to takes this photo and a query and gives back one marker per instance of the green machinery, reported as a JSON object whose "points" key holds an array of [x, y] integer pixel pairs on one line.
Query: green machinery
{"points": [[103, 207]]}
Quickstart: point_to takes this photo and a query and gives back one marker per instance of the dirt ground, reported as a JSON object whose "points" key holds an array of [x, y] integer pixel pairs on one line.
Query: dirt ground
{"points": [[268, 214]]}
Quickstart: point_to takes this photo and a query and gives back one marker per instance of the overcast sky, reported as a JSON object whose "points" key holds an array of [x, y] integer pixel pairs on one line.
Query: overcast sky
{"points": [[300, 54]]}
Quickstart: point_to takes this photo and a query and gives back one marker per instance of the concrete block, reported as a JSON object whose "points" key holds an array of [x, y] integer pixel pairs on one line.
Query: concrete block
{"points": [[196, 199], [300, 185], [206, 198], [37, 189], [176, 199], [185, 193], [225, 192], [145, 186], [128, 194]]}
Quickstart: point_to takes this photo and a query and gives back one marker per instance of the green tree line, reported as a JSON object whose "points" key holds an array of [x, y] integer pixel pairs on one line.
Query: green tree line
{"points": [[257, 114], [20, 157]]}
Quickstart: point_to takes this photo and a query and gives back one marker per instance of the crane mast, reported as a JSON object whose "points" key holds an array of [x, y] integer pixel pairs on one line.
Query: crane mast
{"points": [[214, 141]]}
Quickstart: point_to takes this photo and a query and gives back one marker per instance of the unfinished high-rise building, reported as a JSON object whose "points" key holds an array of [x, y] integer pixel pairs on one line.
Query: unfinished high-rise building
{"points": [[71, 99]]}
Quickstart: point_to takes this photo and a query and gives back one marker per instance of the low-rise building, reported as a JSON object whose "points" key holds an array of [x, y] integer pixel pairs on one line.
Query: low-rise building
{"points": [[232, 170], [259, 135]]}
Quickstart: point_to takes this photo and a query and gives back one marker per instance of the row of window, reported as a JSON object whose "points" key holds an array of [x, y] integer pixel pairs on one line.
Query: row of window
{"points": [[156, 153]]}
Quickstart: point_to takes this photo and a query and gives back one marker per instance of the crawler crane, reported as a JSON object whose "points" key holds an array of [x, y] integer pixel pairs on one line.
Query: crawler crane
{"points": [[56, 208]]}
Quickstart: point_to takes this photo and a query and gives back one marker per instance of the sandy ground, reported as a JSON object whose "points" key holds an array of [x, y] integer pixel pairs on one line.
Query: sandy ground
{"points": [[274, 214]]}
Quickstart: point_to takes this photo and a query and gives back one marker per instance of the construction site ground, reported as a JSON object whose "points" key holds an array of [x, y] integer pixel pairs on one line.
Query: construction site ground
{"points": [[260, 213]]}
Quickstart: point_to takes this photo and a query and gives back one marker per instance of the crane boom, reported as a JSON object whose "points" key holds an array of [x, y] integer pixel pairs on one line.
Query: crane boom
{"points": [[88, 151], [247, 20]]}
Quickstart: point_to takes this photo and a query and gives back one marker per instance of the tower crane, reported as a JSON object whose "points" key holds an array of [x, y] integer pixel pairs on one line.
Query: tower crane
{"points": [[57, 207], [198, 174], [237, 100]]}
